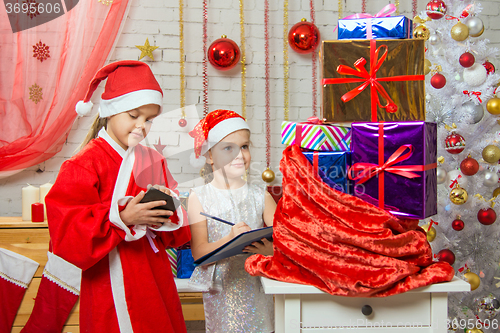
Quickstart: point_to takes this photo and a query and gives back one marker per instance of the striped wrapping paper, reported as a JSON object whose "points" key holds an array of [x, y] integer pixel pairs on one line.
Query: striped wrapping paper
{"points": [[172, 257], [317, 137]]}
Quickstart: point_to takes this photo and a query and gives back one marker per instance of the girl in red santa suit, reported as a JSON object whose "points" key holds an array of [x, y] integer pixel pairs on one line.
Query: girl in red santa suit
{"points": [[234, 301], [96, 220]]}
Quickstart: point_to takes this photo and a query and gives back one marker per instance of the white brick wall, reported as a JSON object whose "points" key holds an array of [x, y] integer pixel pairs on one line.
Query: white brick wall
{"points": [[158, 21]]}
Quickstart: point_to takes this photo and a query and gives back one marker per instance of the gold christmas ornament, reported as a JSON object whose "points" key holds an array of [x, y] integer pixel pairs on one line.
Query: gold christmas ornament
{"points": [[268, 175], [421, 32], [459, 32], [458, 195], [473, 280], [491, 154], [431, 234], [474, 330], [496, 192], [427, 66], [493, 105]]}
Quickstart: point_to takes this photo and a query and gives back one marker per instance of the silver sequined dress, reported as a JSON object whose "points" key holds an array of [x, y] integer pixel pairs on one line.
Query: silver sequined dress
{"points": [[234, 301]]}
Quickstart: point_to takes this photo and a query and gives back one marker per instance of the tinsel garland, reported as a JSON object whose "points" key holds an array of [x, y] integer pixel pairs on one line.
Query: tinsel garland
{"points": [[205, 60], [286, 74], [182, 59], [243, 61], [314, 61], [268, 100]]}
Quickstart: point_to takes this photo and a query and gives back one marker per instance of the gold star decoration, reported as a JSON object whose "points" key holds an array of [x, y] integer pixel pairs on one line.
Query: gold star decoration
{"points": [[146, 50], [35, 93]]}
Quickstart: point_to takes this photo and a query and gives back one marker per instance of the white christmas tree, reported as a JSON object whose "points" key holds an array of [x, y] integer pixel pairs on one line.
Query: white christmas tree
{"points": [[460, 98]]}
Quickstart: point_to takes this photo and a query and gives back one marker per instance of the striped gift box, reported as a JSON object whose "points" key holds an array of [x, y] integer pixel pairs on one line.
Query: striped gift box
{"points": [[172, 257], [320, 137]]}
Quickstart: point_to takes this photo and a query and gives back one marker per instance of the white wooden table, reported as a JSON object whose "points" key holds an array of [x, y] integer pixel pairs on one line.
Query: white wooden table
{"points": [[306, 309]]}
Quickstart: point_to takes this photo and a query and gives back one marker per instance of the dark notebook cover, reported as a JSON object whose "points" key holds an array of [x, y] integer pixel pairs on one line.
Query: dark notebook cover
{"points": [[236, 245]]}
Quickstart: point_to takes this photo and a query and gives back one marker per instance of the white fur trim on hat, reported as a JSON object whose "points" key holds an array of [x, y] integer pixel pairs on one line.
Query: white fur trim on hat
{"points": [[223, 129], [83, 108], [129, 101]]}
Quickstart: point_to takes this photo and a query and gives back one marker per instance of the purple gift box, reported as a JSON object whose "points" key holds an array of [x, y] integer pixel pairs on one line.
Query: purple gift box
{"points": [[394, 166]]}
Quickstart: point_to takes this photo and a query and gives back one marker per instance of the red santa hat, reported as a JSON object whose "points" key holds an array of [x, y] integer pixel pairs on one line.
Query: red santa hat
{"points": [[213, 128], [129, 84]]}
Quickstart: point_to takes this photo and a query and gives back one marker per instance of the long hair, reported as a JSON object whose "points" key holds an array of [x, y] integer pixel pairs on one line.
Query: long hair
{"points": [[207, 173], [94, 130]]}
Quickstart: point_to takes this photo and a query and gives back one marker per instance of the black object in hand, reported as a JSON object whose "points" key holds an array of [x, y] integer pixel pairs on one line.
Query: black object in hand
{"points": [[156, 195]]}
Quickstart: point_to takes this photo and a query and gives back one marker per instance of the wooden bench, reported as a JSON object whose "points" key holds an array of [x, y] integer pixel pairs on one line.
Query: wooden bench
{"points": [[32, 240]]}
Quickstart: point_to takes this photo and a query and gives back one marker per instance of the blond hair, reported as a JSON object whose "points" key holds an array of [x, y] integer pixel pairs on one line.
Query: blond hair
{"points": [[96, 126]]}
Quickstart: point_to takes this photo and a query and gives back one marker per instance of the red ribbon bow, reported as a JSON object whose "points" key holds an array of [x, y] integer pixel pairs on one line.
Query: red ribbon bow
{"points": [[455, 181], [366, 171], [475, 93], [370, 79]]}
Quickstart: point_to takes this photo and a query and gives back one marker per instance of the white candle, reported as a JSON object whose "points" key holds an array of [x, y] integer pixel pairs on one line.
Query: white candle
{"points": [[30, 195], [44, 189]]}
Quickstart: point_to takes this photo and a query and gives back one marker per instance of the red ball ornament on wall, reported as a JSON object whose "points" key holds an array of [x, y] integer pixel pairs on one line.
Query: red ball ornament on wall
{"points": [[438, 81], [182, 122], [457, 224], [469, 166], [486, 216], [467, 59], [490, 68], [435, 9], [223, 53], [446, 256], [304, 37], [454, 143]]}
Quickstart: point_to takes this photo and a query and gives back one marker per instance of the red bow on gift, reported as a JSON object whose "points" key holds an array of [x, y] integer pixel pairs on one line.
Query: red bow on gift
{"points": [[365, 171], [369, 78]]}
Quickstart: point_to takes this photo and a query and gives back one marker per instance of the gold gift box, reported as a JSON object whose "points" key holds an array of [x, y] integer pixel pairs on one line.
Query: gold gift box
{"points": [[403, 62]]}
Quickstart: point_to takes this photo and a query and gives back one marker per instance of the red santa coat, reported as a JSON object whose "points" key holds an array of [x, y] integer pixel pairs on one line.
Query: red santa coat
{"points": [[126, 285]]}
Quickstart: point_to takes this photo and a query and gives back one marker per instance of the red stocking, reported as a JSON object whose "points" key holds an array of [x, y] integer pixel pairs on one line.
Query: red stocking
{"points": [[16, 272], [56, 297]]}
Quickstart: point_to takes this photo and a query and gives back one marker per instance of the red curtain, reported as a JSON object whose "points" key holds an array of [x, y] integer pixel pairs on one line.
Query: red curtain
{"points": [[44, 71]]}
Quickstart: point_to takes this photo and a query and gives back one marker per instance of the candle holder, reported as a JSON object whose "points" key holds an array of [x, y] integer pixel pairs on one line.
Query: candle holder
{"points": [[37, 212]]}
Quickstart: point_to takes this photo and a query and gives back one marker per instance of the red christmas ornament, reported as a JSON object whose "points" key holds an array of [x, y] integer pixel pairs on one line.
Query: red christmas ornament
{"points": [[303, 37], [457, 224], [223, 54], [435, 9], [467, 60], [454, 143], [486, 216], [490, 69], [446, 256], [469, 166], [438, 81], [182, 122]]}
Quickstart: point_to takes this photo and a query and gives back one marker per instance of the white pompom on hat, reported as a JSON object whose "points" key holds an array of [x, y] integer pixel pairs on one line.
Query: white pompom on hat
{"points": [[130, 84]]}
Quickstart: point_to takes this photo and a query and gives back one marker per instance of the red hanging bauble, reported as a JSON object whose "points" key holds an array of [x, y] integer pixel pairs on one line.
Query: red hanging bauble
{"points": [[467, 59], [454, 143], [438, 81], [223, 53], [490, 69], [182, 122], [486, 216], [436, 9], [446, 256], [457, 224], [469, 166], [304, 37]]}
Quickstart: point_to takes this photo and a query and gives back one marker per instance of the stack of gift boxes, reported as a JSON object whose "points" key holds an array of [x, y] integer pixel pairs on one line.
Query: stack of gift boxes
{"points": [[373, 142]]}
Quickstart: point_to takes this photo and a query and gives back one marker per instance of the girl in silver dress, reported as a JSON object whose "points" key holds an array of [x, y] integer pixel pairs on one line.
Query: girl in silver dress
{"points": [[233, 300]]}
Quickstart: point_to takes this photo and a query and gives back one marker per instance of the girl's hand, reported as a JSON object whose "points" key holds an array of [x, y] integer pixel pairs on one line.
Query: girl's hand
{"points": [[162, 188], [239, 228], [264, 248], [143, 213]]}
